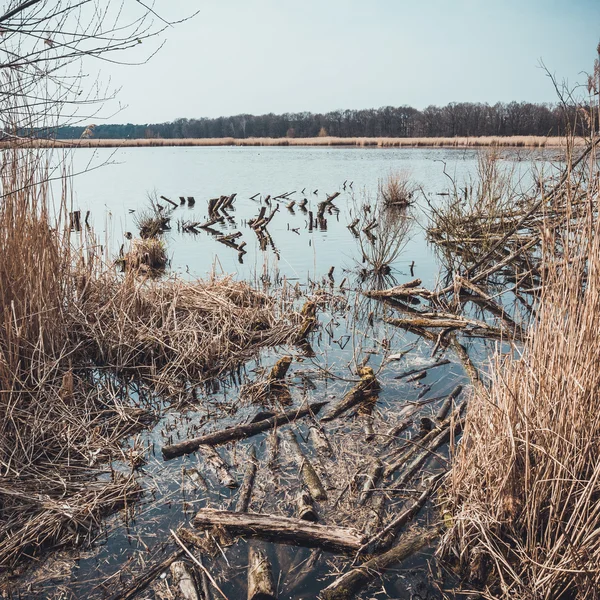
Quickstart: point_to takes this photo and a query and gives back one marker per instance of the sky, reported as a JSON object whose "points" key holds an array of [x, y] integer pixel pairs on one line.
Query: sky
{"points": [[262, 56]]}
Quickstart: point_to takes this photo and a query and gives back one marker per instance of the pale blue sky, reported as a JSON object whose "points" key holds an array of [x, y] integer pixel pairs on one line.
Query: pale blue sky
{"points": [[260, 56]]}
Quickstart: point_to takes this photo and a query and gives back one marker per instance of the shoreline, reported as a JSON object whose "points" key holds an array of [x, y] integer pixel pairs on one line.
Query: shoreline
{"points": [[357, 142]]}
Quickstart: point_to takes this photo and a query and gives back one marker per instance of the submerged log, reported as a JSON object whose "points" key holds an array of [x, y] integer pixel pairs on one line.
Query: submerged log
{"points": [[245, 493], [306, 510], [319, 440], [281, 529], [260, 577], [447, 405], [184, 580], [367, 385], [169, 201], [239, 432], [349, 584], [220, 466], [309, 475]]}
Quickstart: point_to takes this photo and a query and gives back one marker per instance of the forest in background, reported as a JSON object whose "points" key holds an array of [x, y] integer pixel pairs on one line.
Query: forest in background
{"points": [[454, 119]]}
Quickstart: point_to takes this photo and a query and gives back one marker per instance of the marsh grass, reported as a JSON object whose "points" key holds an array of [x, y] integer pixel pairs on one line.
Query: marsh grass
{"points": [[381, 233], [397, 189], [524, 490], [382, 142]]}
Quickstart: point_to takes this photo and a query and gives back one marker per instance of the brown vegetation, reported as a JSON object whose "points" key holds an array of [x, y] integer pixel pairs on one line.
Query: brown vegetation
{"points": [[520, 141], [524, 487]]}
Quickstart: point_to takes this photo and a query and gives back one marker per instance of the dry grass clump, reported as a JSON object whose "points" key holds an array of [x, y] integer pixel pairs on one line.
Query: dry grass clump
{"points": [[397, 190], [525, 486], [381, 232], [517, 141], [146, 255], [151, 223], [175, 332]]}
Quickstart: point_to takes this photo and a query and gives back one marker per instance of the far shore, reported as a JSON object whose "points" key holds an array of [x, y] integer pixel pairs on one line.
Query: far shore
{"points": [[361, 142]]}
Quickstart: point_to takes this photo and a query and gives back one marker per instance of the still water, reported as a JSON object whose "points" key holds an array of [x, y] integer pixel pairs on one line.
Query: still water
{"points": [[114, 189]]}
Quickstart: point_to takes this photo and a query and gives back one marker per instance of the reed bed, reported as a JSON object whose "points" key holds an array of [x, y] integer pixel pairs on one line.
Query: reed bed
{"points": [[175, 332], [524, 491], [523, 141], [73, 332]]}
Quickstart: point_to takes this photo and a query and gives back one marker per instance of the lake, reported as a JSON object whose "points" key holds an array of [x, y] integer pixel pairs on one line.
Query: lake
{"points": [[115, 188]]}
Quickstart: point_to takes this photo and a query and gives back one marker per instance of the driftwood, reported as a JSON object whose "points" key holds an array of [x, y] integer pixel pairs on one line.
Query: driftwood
{"points": [[169, 201], [367, 385], [447, 405], [280, 368], [260, 577], [383, 539], [306, 510], [309, 475], [183, 579], [220, 466], [239, 432], [281, 529], [349, 584], [245, 492], [319, 440]]}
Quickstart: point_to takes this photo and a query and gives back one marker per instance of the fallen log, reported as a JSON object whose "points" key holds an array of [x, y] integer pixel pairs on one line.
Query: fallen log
{"points": [[220, 466], [367, 385], [245, 493], [239, 432], [184, 580], [309, 475], [260, 577], [281, 529], [349, 584]]}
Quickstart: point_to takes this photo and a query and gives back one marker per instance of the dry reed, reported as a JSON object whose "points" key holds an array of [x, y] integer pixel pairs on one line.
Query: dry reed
{"points": [[524, 491], [523, 141]]}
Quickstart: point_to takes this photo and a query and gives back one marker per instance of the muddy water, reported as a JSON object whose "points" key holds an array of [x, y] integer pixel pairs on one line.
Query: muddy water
{"points": [[352, 330]]}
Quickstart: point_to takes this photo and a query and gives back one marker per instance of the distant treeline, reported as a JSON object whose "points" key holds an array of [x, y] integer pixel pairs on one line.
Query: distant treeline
{"points": [[455, 119]]}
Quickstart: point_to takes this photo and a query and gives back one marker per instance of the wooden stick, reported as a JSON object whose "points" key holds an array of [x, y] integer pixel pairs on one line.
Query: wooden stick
{"points": [[239, 432], [422, 368], [144, 580], [197, 562], [367, 385], [281, 529]]}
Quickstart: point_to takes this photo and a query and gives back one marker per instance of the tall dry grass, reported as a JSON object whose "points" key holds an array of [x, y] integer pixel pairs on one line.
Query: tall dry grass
{"points": [[525, 487], [523, 141], [73, 335]]}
